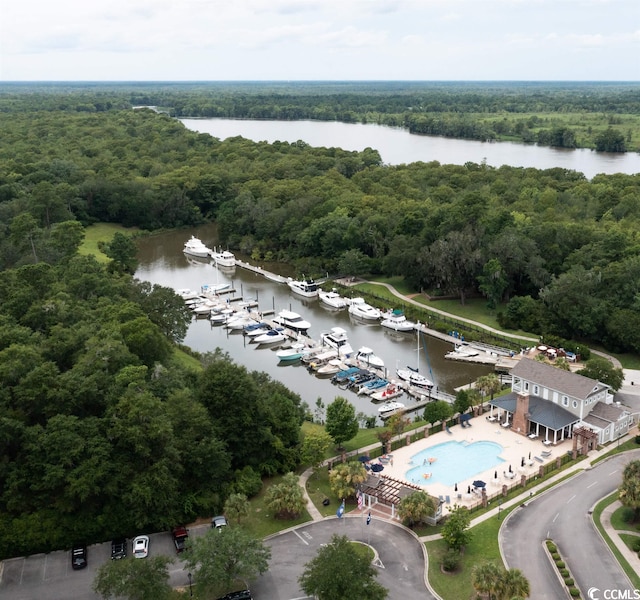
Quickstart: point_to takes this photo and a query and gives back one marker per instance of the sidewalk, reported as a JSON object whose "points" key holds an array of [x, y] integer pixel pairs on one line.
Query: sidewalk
{"points": [[630, 556]]}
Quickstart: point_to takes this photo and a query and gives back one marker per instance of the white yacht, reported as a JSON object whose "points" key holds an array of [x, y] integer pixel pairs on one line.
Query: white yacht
{"points": [[360, 309], [292, 320], [224, 258], [307, 288], [389, 407], [194, 247], [367, 356], [337, 338], [332, 299], [396, 321]]}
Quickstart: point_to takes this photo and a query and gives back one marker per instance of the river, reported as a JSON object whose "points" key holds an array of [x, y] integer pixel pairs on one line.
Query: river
{"points": [[397, 146], [162, 261]]}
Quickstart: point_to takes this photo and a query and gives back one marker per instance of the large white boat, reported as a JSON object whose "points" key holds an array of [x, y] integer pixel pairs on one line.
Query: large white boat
{"points": [[337, 338], [307, 288], [396, 321], [414, 378], [360, 309], [367, 356], [224, 258], [332, 299], [195, 247], [272, 336], [291, 320]]}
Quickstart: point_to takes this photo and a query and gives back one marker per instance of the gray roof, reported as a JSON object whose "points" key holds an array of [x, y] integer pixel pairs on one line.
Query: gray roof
{"points": [[541, 411], [608, 412], [596, 421], [565, 382]]}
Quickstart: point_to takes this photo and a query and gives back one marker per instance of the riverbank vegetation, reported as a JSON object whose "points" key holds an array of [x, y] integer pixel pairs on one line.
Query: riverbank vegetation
{"points": [[600, 115]]}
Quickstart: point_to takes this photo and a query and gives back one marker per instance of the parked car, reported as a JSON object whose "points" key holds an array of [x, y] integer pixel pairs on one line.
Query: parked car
{"points": [[180, 538], [118, 549], [218, 522], [78, 556], [141, 546], [241, 595]]}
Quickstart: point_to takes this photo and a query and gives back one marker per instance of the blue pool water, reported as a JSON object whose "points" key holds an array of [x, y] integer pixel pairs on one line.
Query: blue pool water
{"points": [[455, 462]]}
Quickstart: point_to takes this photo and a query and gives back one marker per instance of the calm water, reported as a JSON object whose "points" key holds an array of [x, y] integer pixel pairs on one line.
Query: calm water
{"points": [[450, 462], [162, 261], [397, 146]]}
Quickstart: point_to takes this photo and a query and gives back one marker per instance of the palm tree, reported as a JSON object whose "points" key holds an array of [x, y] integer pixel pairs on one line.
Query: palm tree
{"points": [[344, 478], [416, 507], [629, 491], [485, 578], [512, 584], [488, 384]]}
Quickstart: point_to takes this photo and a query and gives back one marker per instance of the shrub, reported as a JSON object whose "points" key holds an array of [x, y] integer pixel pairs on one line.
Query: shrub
{"points": [[635, 545], [564, 572], [555, 555], [568, 581], [451, 560], [552, 547], [560, 564], [637, 439], [574, 592]]}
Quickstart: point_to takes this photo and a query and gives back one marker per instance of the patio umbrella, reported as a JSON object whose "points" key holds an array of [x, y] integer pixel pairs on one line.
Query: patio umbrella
{"points": [[468, 489], [495, 474], [377, 467], [522, 462], [529, 455], [479, 483], [363, 459], [455, 487], [510, 471]]}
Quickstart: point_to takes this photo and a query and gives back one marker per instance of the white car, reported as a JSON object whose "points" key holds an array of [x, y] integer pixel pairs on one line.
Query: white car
{"points": [[141, 546]]}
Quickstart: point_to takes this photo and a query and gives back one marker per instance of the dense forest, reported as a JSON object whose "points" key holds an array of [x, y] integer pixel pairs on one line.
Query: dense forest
{"points": [[601, 116], [102, 433]]}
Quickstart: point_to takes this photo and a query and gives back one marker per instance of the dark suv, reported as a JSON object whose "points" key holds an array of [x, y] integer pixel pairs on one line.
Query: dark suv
{"points": [[241, 595], [118, 549], [180, 537], [78, 556]]}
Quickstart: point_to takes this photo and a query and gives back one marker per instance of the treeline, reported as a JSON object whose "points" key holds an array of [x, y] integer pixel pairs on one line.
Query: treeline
{"points": [[102, 433], [602, 116], [559, 249]]}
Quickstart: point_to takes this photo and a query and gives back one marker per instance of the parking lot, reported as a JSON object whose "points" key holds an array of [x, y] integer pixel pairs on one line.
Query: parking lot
{"points": [[50, 576]]}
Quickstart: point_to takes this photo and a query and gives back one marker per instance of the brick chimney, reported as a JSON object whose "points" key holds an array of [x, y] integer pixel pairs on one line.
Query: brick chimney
{"points": [[520, 422]]}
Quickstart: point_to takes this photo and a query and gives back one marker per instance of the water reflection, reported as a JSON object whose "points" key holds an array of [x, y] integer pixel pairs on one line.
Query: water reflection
{"points": [[162, 261]]}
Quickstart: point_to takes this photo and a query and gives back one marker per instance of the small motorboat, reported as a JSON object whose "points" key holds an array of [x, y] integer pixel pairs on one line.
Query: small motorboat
{"points": [[391, 391], [292, 320], [367, 356], [389, 407], [256, 328], [370, 387], [272, 336], [294, 352], [330, 368]]}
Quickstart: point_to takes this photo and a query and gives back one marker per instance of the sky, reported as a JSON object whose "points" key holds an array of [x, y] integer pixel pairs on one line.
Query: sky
{"points": [[220, 40]]}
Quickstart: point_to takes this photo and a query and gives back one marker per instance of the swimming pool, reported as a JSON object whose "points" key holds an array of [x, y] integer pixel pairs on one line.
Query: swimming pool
{"points": [[455, 462]]}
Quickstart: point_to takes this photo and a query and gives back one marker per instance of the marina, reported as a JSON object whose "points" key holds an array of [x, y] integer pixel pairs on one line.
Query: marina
{"points": [[261, 293]]}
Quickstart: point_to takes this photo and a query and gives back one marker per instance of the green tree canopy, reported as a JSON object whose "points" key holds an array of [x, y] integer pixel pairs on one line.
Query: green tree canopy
{"points": [[134, 579], [629, 490], [220, 558], [342, 423], [338, 572]]}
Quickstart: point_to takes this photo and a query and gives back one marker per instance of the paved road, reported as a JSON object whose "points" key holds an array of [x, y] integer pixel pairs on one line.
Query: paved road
{"points": [[563, 514], [401, 568]]}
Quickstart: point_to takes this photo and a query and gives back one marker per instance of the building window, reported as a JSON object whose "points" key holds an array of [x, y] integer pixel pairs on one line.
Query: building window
{"points": [[575, 404], [536, 391], [526, 386], [565, 401]]}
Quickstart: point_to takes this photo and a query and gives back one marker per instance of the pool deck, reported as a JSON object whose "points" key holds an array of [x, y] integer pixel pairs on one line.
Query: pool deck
{"points": [[515, 447]]}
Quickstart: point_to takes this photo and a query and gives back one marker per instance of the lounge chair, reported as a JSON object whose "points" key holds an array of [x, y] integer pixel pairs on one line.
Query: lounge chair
{"points": [[546, 453], [538, 459], [446, 428]]}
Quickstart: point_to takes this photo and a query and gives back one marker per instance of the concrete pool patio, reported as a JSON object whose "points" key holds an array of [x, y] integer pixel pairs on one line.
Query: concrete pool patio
{"points": [[515, 447]]}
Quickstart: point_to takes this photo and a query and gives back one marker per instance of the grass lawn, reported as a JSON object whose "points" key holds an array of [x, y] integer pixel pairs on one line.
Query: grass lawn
{"points": [[99, 233], [483, 547], [622, 519], [260, 523]]}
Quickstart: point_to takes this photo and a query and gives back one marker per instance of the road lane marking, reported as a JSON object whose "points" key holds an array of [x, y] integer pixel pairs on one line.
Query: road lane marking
{"points": [[613, 472], [305, 541], [570, 499], [594, 483], [554, 518]]}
